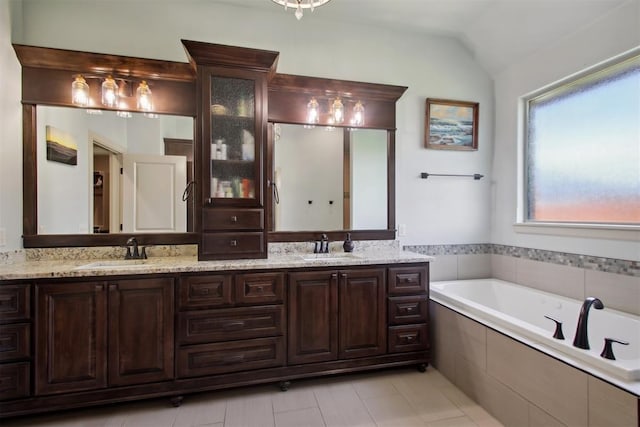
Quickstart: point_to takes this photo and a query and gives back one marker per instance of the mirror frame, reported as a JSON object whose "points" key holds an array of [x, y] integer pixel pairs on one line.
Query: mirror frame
{"points": [[288, 98], [46, 80]]}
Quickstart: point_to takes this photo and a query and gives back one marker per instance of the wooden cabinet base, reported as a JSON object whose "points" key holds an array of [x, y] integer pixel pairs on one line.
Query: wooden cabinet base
{"points": [[206, 383]]}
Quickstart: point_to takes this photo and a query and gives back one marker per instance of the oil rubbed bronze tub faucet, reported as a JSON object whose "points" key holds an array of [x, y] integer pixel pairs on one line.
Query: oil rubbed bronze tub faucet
{"points": [[581, 340]]}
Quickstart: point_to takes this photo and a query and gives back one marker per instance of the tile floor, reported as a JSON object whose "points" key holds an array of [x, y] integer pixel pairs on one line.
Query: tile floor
{"points": [[400, 397]]}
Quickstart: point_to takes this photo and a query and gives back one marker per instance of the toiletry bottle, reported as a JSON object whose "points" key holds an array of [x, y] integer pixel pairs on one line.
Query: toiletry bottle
{"points": [[348, 244]]}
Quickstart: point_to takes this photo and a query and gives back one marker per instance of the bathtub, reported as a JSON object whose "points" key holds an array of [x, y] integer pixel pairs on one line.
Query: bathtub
{"points": [[519, 311]]}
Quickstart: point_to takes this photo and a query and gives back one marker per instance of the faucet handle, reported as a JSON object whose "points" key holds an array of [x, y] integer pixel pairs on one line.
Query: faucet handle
{"points": [[128, 254], [558, 332], [143, 253], [607, 351]]}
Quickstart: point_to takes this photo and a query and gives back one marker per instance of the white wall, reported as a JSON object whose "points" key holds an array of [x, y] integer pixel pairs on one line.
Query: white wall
{"points": [[435, 211], [368, 180], [610, 36], [10, 132]]}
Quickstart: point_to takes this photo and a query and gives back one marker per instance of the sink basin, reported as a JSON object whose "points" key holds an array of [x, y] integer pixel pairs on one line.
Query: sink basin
{"points": [[116, 264], [329, 257]]}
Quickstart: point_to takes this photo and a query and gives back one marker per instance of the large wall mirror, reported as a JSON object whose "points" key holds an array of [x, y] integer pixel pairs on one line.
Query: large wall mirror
{"points": [[108, 172], [328, 178], [95, 175]]}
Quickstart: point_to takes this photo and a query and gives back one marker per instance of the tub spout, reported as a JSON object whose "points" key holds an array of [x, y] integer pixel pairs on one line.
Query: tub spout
{"points": [[581, 340]]}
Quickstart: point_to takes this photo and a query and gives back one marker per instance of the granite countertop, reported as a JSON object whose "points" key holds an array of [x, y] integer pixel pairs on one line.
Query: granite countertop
{"points": [[182, 264]]}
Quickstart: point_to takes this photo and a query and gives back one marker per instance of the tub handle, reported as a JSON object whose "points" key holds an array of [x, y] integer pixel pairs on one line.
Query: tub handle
{"points": [[607, 351], [558, 332]]}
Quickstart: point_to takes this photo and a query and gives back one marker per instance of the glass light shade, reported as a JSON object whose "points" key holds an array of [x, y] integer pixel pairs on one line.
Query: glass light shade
{"points": [[313, 111], [80, 92], [110, 92], [143, 95], [337, 111], [358, 114]]}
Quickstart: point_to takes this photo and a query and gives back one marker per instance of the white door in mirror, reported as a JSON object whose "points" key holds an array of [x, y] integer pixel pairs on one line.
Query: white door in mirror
{"points": [[152, 187]]}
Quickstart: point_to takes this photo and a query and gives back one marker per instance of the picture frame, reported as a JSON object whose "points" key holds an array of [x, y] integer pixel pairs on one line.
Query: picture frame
{"points": [[451, 125]]}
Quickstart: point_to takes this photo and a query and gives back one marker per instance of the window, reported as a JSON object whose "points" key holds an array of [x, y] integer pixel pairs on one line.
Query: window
{"points": [[582, 149]]}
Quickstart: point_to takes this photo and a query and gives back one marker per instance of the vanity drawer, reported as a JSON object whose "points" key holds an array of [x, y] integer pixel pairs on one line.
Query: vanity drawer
{"points": [[232, 219], [408, 280], [14, 380], [259, 288], [14, 303], [228, 245], [408, 338], [205, 291], [210, 359], [14, 341], [408, 309], [230, 324]]}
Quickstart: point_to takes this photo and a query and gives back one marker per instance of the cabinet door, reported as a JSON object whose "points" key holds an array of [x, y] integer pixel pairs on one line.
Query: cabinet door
{"points": [[71, 328], [140, 331], [313, 317], [234, 126], [362, 313]]}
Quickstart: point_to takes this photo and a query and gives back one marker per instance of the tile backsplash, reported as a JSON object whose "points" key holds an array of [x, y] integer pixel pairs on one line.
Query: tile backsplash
{"points": [[588, 262]]}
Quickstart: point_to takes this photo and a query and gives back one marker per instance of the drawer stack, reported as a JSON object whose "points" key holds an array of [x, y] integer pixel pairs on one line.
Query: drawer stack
{"points": [[408, 304], [15, 341], [230, 322], [230, 233]]}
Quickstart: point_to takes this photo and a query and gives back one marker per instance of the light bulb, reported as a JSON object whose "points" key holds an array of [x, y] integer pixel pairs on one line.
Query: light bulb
{"points": [[337, 111], [143, 94], [313, 113], [80, 91], [109, 92], [358, 114]]}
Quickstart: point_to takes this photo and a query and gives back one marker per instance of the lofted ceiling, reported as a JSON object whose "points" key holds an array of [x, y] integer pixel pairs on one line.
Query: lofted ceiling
{"points": [[497, 32]]}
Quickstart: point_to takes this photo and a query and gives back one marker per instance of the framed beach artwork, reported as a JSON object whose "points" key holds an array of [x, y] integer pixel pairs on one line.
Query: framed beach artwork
{"points": [[451, 125]]}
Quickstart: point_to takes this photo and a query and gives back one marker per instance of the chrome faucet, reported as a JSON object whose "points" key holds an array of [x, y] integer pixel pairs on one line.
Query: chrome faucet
{"points": [[132, 242], [581, 340]]}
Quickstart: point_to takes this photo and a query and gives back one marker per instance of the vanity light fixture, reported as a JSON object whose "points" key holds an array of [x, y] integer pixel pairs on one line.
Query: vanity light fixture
{"points": [[301, 4], [80, 91], [110, 92], [358, 114], [337, 111]]}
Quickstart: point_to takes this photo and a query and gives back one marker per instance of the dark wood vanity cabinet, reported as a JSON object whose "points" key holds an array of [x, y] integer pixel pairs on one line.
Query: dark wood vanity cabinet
{"points": [[408, 308], [91, 335], [231, 135], [240, 331], [337, 314], [15, 341], [101, 340]]}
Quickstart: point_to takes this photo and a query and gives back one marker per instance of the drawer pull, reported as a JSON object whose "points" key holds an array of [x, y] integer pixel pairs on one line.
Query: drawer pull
{"points": [[234, 218], [234, 243], [233, 325], [259, 289], [233, 359]]}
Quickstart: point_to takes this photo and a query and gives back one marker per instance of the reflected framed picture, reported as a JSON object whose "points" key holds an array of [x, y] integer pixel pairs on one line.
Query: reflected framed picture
{"points": [[451, 125], [61, 147]]}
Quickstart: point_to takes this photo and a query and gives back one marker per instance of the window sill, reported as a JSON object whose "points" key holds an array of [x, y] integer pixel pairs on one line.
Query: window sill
{"points": [[611, 232]]}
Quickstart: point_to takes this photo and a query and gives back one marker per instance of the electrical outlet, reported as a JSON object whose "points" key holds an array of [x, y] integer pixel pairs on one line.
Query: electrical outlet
{"points": [[3, 237], [402, 229]]}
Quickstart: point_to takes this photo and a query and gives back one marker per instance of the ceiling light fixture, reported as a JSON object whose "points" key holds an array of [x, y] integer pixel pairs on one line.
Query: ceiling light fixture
{"points": [[301, 4]]}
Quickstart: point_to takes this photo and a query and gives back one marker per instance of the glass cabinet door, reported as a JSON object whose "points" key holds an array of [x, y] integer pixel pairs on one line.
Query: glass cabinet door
{"points": [[232, 139]]}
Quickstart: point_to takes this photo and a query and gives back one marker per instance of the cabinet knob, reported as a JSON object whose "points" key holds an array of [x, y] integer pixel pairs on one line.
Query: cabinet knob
{"points": [[99, 287], [334, 275], [234, 218], [343, 275], [234, 243], [113, 287], [259, 289]]}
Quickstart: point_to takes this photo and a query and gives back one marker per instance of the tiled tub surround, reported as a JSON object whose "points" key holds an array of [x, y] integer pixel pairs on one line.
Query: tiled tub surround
{"points": [[519, 385], [615, 282]]}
